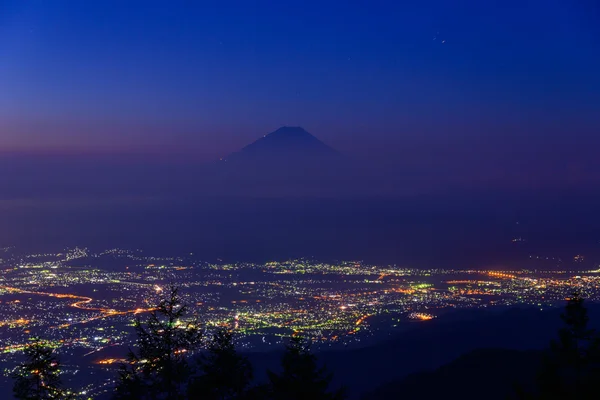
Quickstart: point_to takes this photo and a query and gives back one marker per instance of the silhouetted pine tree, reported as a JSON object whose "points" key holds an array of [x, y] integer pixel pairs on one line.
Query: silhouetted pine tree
{"points": [[301, 377], [39, 376], [571, 367], [159, 369], [224, 373]]}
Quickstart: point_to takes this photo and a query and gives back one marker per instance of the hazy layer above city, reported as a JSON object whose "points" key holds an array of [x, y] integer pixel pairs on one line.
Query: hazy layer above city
{"points": [[460, 229], [519, 162], [290, 195]]}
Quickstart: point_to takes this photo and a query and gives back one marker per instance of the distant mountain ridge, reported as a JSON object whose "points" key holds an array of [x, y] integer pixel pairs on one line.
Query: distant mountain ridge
{"points": [[287, 161], [282, 144]]}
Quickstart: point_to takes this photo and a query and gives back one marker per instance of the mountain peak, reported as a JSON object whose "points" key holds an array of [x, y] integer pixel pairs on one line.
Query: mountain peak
{"points": [[290, 130], [287, 143], [288, 160], [293, 134]]}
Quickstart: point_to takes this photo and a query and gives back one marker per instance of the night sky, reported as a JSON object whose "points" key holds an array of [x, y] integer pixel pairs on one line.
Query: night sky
{"points": [[505, 86]]}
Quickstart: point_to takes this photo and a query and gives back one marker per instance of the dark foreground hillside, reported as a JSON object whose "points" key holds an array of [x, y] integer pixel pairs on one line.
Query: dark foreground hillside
{"points": [[486, 373], [466, 354], [435, 344]]}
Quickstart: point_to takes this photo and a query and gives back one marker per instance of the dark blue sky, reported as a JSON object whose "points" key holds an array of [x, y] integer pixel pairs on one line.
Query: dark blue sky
{"points": [[410, 80]]}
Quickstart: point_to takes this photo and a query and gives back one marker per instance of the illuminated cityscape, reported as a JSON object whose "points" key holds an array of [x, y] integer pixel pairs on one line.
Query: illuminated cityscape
{"points": [[85, 303]]}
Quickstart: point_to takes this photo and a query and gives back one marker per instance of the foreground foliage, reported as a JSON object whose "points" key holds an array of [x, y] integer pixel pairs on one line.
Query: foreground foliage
{"points": [[223, 373], [159, 368], [301, 377], [571, 367], [39, 376]]}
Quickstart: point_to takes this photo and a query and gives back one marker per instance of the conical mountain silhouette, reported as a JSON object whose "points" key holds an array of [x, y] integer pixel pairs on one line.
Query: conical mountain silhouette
{"points": [[288, 161], [286, 144]]}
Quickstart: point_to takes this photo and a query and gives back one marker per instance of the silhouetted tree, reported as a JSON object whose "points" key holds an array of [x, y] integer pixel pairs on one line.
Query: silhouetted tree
{"points": [[159, 369], [301, 378], [224, 373], [571, 367], [39, 376]]}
